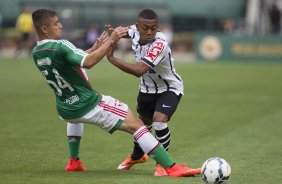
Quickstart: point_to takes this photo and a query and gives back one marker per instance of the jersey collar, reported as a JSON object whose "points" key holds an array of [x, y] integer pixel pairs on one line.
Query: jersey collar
{"points": [[41, 42]]}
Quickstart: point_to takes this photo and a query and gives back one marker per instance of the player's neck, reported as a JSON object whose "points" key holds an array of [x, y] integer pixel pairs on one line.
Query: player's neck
{"points": [[40, 38], [143, 42]]}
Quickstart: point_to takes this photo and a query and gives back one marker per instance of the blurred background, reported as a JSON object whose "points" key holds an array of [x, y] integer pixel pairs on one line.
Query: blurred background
{"points": [[197, 30]]}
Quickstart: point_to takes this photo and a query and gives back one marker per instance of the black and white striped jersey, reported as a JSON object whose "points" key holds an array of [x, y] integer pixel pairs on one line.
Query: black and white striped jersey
{"points": [[162, 75]]}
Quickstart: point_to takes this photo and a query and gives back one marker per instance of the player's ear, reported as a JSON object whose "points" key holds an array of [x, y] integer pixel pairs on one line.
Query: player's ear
{"points": [[44, 29]]}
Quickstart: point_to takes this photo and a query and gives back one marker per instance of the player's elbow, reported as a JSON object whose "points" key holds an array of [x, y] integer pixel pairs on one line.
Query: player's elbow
{"points": [[138, 73], [88, 64], [87, 67]]}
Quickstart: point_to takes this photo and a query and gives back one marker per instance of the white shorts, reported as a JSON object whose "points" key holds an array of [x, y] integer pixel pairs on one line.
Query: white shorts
{"points": [[108, 114]]}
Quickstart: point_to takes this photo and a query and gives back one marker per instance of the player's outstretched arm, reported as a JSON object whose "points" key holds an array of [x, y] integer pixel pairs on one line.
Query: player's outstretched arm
{"points": [[95, 56], [109, 28], [137, 69], [100, 40]]}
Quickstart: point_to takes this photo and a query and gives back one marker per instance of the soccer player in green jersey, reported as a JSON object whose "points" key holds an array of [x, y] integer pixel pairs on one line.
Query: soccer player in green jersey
{"points": [[62, 64]]}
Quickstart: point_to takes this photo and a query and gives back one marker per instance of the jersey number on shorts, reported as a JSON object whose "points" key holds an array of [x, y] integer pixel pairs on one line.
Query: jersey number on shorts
{"points": [[59, 84]]}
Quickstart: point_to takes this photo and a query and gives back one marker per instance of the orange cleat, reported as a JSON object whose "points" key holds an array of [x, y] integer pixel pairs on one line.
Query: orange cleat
{"points": [[75, 165], [160, 171], [128, 162], [182, 171]]}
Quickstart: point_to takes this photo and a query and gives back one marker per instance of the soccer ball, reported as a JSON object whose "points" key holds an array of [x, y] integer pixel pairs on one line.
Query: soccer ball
{"points": [[216, 170]]}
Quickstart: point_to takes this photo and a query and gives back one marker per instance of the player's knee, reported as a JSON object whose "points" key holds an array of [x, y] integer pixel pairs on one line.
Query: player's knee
{"points": [[160, 118], [146, 121], [134, 126], [131, 124]]}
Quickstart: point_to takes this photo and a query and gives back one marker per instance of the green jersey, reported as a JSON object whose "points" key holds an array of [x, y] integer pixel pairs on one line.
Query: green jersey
{"points": [[61, 62]]}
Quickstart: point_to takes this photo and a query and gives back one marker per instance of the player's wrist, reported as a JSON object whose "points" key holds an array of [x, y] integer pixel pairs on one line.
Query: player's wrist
{"points": [[112, 42], [110, 58]]}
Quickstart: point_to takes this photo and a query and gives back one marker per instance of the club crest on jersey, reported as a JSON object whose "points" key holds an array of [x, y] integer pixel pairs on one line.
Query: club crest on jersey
{"points": [[155, 50], [44, 61]]}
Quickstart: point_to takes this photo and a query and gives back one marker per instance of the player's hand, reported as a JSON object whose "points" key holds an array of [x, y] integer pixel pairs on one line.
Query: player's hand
{"points": [[102, 39], [118, 33], [109, 29]]}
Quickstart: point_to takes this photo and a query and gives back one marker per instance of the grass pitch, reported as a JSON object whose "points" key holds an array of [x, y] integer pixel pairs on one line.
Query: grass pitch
{"points": [[231, 110]]}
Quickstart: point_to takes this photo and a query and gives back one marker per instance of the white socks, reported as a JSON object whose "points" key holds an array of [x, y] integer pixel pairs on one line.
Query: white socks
{"points": [[159, 125], [75, 129], [145, 139]]}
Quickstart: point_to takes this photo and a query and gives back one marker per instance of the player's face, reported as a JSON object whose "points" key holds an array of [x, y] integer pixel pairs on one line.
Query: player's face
{"points": [[147, 29], [54, 28]]}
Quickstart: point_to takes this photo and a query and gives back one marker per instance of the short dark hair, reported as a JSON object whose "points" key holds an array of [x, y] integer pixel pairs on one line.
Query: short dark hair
{"points": [[148, 14], [41, 17]]}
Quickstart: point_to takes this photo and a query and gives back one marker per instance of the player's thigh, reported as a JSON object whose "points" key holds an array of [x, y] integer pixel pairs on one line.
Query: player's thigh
{"points": [[167, 103], [131, 123], [146, 104]]}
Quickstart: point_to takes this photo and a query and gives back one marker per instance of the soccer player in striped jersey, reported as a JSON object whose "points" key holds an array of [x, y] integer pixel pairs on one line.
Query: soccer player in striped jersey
{"points": [[160, 88], [62, 65]]}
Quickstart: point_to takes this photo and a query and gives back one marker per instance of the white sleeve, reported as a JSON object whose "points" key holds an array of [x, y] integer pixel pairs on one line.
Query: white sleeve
{"points": [[82, 61], [156, 54]]}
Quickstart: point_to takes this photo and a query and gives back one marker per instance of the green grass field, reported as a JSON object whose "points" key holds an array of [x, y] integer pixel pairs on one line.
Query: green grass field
{"points": [[231, 110]]}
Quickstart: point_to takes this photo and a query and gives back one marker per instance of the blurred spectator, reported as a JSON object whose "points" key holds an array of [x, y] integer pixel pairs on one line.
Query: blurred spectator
{"points": [[24, 27], [228, 25], [92, 34], [275, 17], [167, 30]]}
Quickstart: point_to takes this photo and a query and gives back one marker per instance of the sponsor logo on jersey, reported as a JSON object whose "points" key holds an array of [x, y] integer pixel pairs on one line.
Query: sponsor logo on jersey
{"points": [[44, 61], [72, 100], [155, 50]]}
